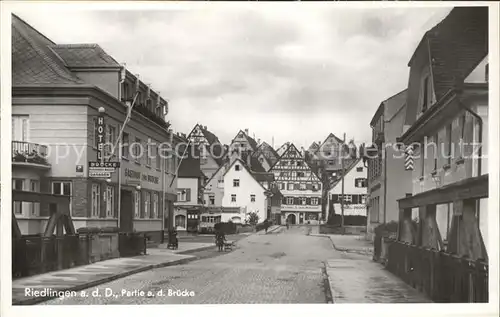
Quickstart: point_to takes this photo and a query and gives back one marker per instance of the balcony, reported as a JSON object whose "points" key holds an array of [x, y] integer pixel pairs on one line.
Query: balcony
{"points": [[29, 154]]}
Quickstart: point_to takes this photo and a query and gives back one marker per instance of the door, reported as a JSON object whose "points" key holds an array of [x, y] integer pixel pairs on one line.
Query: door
{"points": [[126, 212], [291, 219]]}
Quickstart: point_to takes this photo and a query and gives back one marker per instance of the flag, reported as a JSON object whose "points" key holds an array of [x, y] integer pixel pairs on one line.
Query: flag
{"points": [[409, 158]]}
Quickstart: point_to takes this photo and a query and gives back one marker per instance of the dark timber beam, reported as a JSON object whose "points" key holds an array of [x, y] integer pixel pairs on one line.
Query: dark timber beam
{"points": [[470, 188]]}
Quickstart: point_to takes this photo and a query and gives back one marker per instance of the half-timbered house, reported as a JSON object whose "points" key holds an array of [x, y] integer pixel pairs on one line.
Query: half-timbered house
{"points": [[300, 187], [266, 155], [211, 149]]}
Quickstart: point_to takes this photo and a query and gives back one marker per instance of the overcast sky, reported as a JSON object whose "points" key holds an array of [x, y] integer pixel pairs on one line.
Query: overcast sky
{"points": [[292, 74]]}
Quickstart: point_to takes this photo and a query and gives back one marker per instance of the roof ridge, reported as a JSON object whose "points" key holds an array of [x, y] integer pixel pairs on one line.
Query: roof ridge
{"points": [[31, 27], [43, 55]]}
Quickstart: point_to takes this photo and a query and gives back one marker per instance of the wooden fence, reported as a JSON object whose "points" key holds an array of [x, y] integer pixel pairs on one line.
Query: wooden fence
{"points": [[444, 277], [35, 254]]}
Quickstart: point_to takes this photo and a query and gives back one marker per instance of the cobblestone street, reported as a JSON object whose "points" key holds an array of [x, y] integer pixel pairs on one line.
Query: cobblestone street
{"points": [[280, 267]]}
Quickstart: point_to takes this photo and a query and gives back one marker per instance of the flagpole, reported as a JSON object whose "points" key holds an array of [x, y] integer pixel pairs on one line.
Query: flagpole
{"points": [[342, 200]]}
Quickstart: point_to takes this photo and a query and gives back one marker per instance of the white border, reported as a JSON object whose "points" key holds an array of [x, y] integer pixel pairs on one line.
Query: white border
{"points": [[490, 309]]}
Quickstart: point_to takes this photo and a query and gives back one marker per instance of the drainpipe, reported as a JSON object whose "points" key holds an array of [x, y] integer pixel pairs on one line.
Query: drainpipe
{"points": [[480, 137]]}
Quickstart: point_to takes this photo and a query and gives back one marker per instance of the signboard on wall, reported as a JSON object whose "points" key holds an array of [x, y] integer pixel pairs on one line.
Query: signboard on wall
{"points": [[100, 138]]}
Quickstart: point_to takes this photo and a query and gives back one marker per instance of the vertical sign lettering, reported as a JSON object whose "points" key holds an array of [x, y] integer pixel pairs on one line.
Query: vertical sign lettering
{"points": [[100, 138]]}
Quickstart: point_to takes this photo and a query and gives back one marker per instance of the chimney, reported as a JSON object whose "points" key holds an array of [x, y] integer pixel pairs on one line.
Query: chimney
{"points": [[258, 141], [246, 132]]}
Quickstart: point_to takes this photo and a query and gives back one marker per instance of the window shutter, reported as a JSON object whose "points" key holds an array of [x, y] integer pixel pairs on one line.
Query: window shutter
{"points": [[296, 200], [319, 201], [102, 201], [355, 199], [308, 201], [309, 186], [283, 200], [335, 198], [188, 194]]}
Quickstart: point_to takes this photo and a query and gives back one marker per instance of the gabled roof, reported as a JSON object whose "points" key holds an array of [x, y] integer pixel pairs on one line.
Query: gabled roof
{"points": [[331, 135], [457, 45], [190, 168], [218, 151], [251, 141], [33, 60], [85, 55], [347, 170], [246, 168], [264, 148], [313, 147], [263, 177], [292, 146]]}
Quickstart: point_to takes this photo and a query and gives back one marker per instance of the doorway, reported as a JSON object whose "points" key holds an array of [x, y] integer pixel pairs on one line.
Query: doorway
{"points": [[291, 219], [126, 213]]}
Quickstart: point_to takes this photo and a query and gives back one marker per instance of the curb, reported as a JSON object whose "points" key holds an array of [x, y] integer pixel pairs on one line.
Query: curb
{"points": [[326, 283], [195, 250], [36, 300], [361, 252]]}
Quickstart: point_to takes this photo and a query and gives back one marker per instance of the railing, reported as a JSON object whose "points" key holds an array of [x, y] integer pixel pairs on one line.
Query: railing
{"points": [[444, 277], [29, 152], [132, 243], [35, 254]]}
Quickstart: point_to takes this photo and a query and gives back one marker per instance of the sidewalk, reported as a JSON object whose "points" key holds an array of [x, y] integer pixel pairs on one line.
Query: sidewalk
{"points": [[347, 243], [357, 281], [86, 276]]}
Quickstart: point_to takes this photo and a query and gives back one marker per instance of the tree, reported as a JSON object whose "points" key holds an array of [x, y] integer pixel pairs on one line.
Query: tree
{"points": [[252, 218]]}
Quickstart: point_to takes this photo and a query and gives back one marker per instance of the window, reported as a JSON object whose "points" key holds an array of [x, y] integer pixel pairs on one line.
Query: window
{"points": [[184, 195], [291, 186], [448, 144], [34, 206], [236, 183], [363, 199], [96, 195], [303, 200], [289, 201], [347, 198], [137, 150], [125, 146], [20, 128], [252, 198], [423, 154], [18, 184], [299, 163], [148, 154], [137, 204], [314, 201], [425, 95], [300, 174], [147, 205], [436, 152], [314, 187], [283, 186], [294, 174], [158, 158], [237, 167], [211, 199], [302, 186], [359, 169], [110, 139], [62, 188], [110, 201], [360, 182], [462, 134], [233, 198], [155, 206], [331, 162]]}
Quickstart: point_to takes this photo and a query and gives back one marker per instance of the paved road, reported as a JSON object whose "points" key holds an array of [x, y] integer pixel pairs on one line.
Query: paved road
{"points": [[283, 267]]}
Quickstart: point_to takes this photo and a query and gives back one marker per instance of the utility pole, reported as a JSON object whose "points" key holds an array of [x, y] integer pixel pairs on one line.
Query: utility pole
{"points": [[342, 195]]}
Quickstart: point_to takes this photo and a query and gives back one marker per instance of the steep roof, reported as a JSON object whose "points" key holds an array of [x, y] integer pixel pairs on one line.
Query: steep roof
{"points": [[246, 168], [264, 148], [263, 177], [218, 151], [331, 135], [457, 45], [85, 55], [347, 170], [33, 60], [190, 168]]}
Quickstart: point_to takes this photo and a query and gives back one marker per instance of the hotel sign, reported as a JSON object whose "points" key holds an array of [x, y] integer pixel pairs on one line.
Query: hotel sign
{"points": [[141, 176], [301, 207], [100, 138]]}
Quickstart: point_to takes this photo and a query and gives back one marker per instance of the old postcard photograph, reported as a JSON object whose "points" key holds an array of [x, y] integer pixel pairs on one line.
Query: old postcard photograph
{"points": [[164, 153]]}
